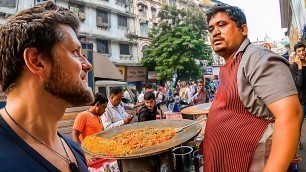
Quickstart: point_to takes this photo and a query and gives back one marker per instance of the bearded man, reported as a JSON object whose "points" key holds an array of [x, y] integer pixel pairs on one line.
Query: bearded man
{"points": [[43, 72]]}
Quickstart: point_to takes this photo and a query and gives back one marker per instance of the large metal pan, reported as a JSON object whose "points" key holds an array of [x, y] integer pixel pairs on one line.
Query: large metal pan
{"points": [[176, 140], [197, 109]]}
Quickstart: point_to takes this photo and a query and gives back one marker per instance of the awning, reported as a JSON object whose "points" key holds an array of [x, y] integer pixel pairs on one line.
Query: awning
{"points": [[104, 68]]}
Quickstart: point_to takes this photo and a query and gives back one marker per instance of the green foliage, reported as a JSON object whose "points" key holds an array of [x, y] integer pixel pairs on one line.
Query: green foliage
{"points": [[178, 43]]}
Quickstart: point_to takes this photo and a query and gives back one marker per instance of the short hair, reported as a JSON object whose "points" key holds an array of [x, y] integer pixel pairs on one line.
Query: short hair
{"points": [[99, 98], [149, 96], [36, 27], [149, 86], [298, 45], [115, 91], [201, 82], [233, 12]]}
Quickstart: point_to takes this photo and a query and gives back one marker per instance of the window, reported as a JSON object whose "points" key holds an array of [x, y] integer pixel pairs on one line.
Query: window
{"points": [[102, 16], [153, 11], [102, 46], [102, 90], [122, 21], [76, 8], [124, 49], [144, 29], [142, 10], [8, 3], [122, 2], [40, 1]]}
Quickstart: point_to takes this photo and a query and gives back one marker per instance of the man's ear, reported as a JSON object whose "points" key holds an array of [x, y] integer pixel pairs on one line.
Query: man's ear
{"points": [[244, 29], [34, 61]]}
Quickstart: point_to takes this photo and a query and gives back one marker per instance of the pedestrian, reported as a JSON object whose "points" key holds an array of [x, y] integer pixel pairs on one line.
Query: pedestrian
{"points": [[298, 70], [256, 98], [88, 122], [202, 96], [42, 73]]}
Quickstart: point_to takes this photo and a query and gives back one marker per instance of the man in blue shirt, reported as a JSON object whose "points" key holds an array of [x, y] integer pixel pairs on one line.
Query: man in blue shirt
{"points": [[42, 72]]}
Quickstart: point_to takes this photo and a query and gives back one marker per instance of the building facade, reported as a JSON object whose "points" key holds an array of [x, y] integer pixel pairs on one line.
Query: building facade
{"points": [[108, 24], [293, 17]]}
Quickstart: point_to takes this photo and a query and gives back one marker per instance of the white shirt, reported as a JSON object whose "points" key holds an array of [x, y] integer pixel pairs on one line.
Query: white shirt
{"points": [[113, 116]]}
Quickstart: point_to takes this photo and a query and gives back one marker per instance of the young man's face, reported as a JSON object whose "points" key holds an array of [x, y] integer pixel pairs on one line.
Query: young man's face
{"points": [[101, 108], [150, 104], [224, 34], [67, 79], [200, 87], [301, 53]]}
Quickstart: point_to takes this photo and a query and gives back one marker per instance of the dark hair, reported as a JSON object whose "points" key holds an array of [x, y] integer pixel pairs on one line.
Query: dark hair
{"points": [[99, 98], [149, 86], [36, 27], [298, 45], [115, 90], [233, 12], [149, 96], [201, 82]]}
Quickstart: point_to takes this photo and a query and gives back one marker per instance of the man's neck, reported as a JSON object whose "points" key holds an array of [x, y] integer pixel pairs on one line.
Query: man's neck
{"points": [[37, 114]]}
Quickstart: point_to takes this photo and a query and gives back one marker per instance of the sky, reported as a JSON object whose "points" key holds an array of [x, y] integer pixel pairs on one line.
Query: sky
{"points": [[263, 18]]}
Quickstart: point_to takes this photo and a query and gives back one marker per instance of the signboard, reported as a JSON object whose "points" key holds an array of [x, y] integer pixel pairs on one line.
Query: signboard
{"points": [[152, 75], [136, 74], [209, 71]]}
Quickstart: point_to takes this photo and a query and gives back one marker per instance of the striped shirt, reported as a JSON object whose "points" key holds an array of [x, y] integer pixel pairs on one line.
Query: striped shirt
{"points": [[113, 116]]}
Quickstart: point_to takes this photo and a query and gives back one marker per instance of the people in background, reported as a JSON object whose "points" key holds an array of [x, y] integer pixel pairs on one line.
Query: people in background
{"points": [[149, 110], [115, 115], [298, 70], [202, 96], [88, 122]]}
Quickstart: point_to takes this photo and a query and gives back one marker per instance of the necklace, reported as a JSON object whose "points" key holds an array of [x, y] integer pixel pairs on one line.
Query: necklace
{"points": [[73, 167]]}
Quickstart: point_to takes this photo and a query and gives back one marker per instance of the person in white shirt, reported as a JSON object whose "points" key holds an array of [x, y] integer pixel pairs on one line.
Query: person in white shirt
{"points": [[114, 114]]}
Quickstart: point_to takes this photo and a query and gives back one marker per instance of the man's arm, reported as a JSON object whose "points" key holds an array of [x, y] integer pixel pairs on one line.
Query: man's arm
{"points": [[75, 136], [207, 96], [288, 120], [193, 98], [107, 121]]}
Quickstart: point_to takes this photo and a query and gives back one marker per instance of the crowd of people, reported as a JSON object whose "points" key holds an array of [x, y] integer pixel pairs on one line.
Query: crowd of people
{"points": [[254, 122]]}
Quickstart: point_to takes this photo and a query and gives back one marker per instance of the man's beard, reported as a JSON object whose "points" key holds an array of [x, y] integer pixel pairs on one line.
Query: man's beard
{"points": [[60, 85]]}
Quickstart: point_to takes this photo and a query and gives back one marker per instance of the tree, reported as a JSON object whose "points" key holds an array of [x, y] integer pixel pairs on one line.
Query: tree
{"points": [[178, 44]]}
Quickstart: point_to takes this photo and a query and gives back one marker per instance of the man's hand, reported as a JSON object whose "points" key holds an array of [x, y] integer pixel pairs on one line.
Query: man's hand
{"points": [[128, 120], [298, 62]]}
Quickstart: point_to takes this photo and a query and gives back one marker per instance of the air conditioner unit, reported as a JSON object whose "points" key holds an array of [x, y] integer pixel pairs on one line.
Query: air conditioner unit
{"points": [[101, 24]]}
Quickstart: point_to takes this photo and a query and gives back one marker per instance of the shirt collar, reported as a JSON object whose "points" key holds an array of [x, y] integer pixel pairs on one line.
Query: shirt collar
{"points": [[244, 44], [109, 104]]}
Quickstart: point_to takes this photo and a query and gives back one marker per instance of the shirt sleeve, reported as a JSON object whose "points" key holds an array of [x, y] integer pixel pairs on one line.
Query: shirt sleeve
{"points": [[143, 116], [107, 120], [272, 80], [80, 122]]}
